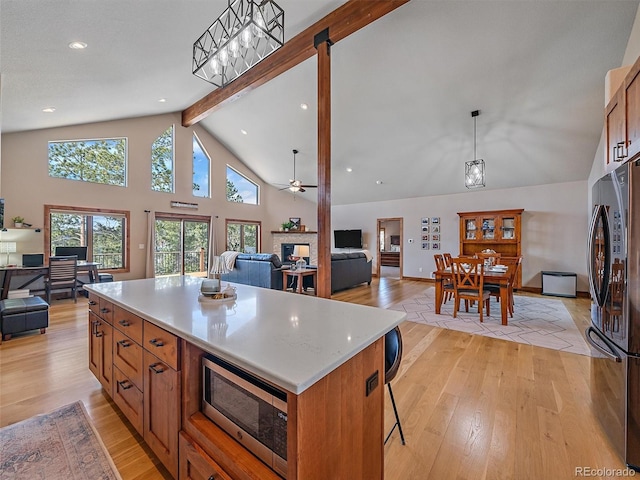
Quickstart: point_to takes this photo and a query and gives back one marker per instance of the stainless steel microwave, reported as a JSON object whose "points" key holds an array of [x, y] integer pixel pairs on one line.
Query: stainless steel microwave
{"points": [[247, 408]]}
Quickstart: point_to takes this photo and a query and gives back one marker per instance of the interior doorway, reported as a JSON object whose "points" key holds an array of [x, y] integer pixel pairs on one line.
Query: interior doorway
{"points": [[389, 247]]}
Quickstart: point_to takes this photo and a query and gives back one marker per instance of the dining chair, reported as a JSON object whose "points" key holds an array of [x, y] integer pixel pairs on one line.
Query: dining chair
{"points": [[512, 264], [63, 274], [468, 284], [489, 259], [447, 280], [447, 259]]}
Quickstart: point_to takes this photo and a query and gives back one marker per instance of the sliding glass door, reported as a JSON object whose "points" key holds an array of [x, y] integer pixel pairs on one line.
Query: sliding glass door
{"points": [[181, 246]]}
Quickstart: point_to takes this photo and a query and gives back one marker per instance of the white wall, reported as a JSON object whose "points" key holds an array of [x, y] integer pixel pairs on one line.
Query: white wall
{"points": [[27, 187], [554, 226]]}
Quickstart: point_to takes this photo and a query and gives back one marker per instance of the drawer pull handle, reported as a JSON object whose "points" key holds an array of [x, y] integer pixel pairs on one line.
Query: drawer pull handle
{"points": [[156, 342], [92, 303], [124, 343], [125, 384], [154, 367], [124, 323], [104, 310]]}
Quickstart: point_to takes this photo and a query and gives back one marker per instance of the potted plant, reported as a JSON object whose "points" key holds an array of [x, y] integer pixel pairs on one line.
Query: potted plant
{"points": [[286, 226], [18, 221]]}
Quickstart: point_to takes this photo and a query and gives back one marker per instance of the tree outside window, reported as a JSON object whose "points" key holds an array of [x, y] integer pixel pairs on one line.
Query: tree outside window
{"points": [[162, 178]]}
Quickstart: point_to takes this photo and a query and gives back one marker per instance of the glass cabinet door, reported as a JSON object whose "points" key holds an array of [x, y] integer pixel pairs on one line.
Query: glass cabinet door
{"points": [[488, 228], [508, 228], [470, 229]]}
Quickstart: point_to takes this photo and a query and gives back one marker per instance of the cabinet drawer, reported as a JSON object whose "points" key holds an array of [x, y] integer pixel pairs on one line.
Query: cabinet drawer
{"points": [[129, 399], [127, 356], [94, 303], [106, 311], [162, 344], [128, 323], [195, 464]]}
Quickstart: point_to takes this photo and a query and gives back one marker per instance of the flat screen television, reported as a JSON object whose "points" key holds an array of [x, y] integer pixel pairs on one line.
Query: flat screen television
{"points": [[347, 238], [81, 252]]}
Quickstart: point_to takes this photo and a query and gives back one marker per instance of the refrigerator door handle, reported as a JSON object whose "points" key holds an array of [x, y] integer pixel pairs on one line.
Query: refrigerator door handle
{"points": [[599, 295], [592, 226], [611, 353]]}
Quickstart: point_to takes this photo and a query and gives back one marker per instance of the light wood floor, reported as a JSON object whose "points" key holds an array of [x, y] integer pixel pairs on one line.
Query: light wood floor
{"points": [[471, 407]]}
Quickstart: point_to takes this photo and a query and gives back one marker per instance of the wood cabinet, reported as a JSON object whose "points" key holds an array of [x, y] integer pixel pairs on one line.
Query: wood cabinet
{"points": [[622, 120], [498, 230], [138, 365], [161, 407], [334, 429], [390, 259], [101, 343], [195, 464]]}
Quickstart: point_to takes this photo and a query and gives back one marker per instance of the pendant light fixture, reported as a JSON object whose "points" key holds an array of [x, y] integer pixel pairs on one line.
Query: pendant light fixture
{"points": [[243, 35], [474, 170]]}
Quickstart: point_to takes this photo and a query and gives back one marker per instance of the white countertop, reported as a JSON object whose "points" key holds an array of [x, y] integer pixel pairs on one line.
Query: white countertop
{"points": [[289, 339]]}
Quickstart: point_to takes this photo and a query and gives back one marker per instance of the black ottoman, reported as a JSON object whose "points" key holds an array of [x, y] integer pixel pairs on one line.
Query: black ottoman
{"points": [[22, 314]]}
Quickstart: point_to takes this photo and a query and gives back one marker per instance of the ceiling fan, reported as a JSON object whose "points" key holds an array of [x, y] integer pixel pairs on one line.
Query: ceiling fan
{"points": [[296, 185]]}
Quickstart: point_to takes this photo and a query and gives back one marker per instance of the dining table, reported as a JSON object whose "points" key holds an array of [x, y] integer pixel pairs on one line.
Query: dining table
{"points": [[491, 275]]}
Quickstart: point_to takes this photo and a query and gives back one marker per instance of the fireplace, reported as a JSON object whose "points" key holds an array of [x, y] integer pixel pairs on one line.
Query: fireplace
{"points": [[287, 251]]}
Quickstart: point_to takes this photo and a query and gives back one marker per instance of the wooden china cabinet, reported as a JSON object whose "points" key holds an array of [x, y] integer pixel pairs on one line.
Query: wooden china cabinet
{"points": [[498, 230]]}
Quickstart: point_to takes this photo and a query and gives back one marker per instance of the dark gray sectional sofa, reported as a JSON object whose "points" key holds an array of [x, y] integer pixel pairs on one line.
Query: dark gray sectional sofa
{"points": [[265, 270]]}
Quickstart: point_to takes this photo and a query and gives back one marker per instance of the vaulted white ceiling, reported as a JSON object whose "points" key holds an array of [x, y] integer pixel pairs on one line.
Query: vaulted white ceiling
{"points": [[403, 88]]}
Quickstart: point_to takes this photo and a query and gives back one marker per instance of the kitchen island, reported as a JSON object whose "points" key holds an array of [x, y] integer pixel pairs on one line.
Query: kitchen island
{"points": [[328, 356]]}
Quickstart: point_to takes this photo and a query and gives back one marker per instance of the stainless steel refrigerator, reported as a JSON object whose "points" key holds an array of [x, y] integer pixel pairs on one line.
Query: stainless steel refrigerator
{"points": [[613, 267]]}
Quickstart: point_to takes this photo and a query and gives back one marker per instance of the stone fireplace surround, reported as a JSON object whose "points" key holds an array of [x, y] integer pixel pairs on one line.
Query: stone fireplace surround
{"points": [[297, 237]]}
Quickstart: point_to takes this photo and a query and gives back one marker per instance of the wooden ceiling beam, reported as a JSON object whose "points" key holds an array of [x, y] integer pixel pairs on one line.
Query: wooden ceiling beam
{"points": [[342, 22]]}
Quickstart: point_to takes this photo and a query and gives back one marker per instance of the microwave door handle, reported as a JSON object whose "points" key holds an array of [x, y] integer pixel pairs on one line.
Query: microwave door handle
{"points": [[610, 353]]}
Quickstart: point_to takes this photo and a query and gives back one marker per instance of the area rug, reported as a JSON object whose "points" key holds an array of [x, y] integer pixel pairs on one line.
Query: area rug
{"points": [[59, 445], [543, 322]]}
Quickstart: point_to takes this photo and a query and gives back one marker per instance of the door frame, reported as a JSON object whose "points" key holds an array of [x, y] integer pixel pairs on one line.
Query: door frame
{"points": [[379, 223]]}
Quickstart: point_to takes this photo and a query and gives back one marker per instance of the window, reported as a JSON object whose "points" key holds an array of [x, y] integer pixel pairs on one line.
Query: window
{"points": [[182, 243], [103, 232], [162, 162], [381, 240], [240, 189], [97, 161], [243, 236], [201, 168]]}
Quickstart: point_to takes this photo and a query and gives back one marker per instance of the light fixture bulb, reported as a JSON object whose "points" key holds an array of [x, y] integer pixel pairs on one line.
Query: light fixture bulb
{"points": [[234, 47], [223, 57], [258, 19], [215, 65], [77, 45], [245, 37]]}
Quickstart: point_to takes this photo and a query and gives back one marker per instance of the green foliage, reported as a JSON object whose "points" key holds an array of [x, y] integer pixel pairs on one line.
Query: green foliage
{"points": [[18, 219], [170, 255], [97, 161], [73, 230], [162, 162], [232, 193], [242, 237]]}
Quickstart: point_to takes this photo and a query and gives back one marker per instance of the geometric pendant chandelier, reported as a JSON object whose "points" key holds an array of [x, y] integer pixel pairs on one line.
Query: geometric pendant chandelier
{"points": [[243, 35], [474, 170]]}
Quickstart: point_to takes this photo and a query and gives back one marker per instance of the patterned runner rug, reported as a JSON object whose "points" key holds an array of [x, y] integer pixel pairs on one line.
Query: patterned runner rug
{"points": [[59, 445], [543, 322]]}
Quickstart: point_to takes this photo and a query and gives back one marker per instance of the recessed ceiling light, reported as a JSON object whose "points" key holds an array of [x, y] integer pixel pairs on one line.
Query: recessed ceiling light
{"points": [[349, 169], [243, 131], [379, 182], [77, 45], [162, 100], [49, 109], [304, 106]]}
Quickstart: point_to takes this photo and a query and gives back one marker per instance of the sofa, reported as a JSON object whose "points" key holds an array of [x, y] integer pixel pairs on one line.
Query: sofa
{"points": [[349, 270], [257, 269], [265, 270]]}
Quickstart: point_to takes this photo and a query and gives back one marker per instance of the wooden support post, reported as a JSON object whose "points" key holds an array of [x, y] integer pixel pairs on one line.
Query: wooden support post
{"points": [[323, 47]]}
